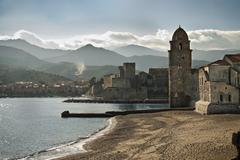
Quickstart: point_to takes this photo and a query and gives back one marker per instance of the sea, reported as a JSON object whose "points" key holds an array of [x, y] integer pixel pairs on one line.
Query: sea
{"points": [[32, 128]]}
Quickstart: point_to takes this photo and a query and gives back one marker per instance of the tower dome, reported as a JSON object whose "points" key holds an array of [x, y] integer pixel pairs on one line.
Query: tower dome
{"points": [[180, 34]]}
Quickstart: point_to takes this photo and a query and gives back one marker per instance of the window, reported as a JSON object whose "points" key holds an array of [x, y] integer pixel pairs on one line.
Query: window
{"points": [[180, 46], [221, 98], [229, 98]]}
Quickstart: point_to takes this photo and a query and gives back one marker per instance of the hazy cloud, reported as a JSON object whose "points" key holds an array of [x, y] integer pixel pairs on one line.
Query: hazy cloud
{"points": [[215, 39], [200, 39]]}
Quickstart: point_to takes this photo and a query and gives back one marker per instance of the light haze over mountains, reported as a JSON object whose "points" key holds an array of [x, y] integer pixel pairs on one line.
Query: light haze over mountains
{"points": [[96, 61]]}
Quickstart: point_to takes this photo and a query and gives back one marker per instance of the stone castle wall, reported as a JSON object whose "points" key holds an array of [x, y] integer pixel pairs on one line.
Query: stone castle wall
{"points": [[125, 93]]}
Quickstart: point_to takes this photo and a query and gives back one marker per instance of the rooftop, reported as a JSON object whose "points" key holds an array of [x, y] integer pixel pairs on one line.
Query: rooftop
{"points": [[233, 57], [219, 62]]}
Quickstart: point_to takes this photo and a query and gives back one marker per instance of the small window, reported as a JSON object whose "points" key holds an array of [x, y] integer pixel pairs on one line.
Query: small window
{"points": [[221, 98], [180, 46], [229, 98]]}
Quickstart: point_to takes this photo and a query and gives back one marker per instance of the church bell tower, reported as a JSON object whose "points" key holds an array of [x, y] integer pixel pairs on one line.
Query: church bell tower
{"points": [[180, 62]]}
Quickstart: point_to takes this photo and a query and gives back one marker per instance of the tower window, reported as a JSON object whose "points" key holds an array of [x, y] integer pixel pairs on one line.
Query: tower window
{"points": [[229, 98], [221, 97], [180, 46]]}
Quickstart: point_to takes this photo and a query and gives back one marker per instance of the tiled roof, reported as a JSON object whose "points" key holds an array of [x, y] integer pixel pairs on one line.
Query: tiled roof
{"points": [[233, 57], [219, 62]]}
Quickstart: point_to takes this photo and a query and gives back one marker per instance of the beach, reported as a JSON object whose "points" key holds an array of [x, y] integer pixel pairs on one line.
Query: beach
{"points": [[165, 135]]}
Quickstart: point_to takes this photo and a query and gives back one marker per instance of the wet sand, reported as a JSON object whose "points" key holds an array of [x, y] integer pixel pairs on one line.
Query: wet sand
{"points": [[166, 135]]}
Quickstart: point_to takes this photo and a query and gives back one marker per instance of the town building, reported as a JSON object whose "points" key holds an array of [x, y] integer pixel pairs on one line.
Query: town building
{"points": [[219, 86]]}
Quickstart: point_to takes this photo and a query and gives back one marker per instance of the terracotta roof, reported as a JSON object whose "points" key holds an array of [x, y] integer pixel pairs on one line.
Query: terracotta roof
{"points": [[219, 62], [234, 57]]}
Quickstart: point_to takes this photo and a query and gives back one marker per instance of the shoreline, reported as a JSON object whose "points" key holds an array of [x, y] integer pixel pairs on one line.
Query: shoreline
{"points": [[105, 130], [165, 135], [73, 147]]}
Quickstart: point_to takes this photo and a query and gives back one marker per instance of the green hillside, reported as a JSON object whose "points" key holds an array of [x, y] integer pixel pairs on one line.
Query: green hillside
{"points": [[11, 75], [18, 58]]}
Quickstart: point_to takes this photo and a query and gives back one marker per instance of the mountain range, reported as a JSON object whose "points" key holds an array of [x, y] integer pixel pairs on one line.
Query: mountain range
{"points": [[97, 61], [136, 50], [41, 53]]}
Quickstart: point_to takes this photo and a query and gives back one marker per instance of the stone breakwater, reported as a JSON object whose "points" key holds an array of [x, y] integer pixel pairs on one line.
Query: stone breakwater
{"points": [[67, 114]]}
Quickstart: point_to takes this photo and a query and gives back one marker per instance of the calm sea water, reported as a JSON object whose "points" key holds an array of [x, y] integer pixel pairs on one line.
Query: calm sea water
{"points": [[29, 125]]}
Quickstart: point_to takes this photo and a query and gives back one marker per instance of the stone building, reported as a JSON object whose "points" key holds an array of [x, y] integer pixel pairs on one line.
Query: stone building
{"points": [[124, 85], [127, 85], [159, 87], [219, 86], [180, 73]]}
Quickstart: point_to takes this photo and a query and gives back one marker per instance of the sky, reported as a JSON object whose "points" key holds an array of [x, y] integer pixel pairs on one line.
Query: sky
{"points": [[69, 24]]}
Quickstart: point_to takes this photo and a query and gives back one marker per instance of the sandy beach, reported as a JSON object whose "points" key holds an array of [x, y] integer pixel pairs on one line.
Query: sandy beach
{"points": [[165, 135]]}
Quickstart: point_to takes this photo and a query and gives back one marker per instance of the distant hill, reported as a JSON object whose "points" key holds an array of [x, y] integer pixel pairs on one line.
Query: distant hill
{"points": [[212, 55], [148, 61], [36, 51], [98, 71], [145, 62], [65, 69], [67, 63], [9, 74], [18, 58], [94, 56], [136, 50], [90, 55]]}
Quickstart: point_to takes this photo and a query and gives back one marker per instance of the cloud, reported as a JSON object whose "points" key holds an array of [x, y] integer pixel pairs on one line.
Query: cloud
{"points": [[215, 39], [206, 39], [32, 38]]}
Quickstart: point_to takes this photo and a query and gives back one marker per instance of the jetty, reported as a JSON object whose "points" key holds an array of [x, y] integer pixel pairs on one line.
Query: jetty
{"points": [[145, 101], [67, 114]]}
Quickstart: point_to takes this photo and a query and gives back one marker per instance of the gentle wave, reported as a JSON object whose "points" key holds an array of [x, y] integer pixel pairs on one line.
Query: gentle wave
{"points": [[70, 148]]}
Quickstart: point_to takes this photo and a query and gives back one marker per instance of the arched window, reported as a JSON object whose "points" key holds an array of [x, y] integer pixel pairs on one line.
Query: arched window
{"points": [[180, 46]]}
